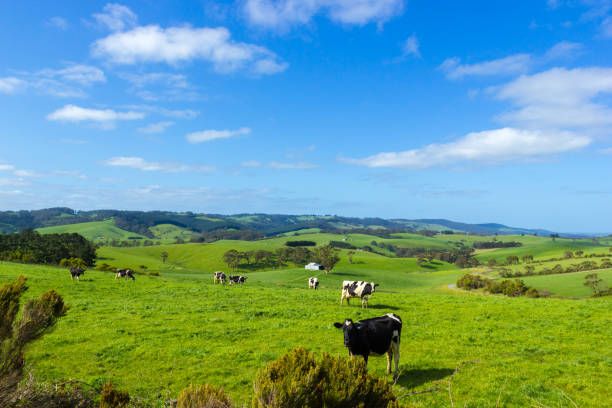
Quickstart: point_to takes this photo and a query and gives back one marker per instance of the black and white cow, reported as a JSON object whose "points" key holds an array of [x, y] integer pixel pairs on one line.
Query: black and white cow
{"points": [[125, 273], [76, 272], [237, 279], [313, 283], [360, 289], [219, 277], [375, 337]]}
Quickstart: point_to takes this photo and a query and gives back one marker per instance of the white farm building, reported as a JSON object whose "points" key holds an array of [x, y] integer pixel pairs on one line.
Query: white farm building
{"points": [[314, 267]]}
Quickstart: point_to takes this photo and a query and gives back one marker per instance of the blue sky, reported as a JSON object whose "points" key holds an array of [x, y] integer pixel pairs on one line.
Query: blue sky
{"points": [[477, 112]]}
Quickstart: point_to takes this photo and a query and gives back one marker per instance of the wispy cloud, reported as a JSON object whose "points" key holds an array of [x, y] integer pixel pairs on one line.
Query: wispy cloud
{"points": [[72, 113], [116, 17], [511, 65], [58, 22], [280, 165], [158, 127], [486, 147], [411, 47], [165, 167], [11, 85], [285, 13], [209, 135], [170, 113]]}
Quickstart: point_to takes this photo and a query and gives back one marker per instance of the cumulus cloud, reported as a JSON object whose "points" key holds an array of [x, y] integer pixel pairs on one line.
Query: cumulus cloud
{"points": [[72, 113], [208, 135], [411, 47], [158, 127], [284, 13], [165, 167], [182, 44], [486, 147], [560, 98], [116, 17], [511, 65]]}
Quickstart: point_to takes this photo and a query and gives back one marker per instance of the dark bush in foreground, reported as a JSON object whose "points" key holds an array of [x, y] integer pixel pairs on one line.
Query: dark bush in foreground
{"points": [[31, 394], [112, 398], [203, 396], [299, 380], [37, 317]]}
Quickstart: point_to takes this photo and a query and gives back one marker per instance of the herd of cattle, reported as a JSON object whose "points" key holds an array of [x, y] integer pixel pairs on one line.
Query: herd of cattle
{"points": [[376, 336], [368, 337]]}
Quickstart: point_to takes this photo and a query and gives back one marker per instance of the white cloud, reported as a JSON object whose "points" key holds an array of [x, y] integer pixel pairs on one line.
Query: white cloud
{"points": [[181, 44], [6, 167], [511, 65], [560, 98], [487, 147], [284, 13], [157, 127], [251, 163], [116, 17], [411, 47], [11, 85], [166, 167], [181, 114], [72, 113], [297, 165], [208, 135], [58, 22], [563, 49], [82, 74], [164, 78]]}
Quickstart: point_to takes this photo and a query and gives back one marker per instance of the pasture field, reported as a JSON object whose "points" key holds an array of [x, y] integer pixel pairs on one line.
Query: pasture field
{"points": [[92, 230], [156, 335], [568, 284]]}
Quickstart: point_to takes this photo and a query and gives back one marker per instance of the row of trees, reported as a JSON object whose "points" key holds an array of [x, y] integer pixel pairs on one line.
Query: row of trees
{"points": [[327, 256], [512, 288], [530, 270], [29, 246]]}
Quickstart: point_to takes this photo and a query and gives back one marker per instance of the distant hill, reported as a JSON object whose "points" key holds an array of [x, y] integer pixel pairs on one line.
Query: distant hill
{"points": [[166, 224]]}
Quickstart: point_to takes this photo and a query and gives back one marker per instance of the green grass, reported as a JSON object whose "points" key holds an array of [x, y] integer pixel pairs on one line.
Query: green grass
{"points": [[156, 335], [169, 232], [568, 284], [93, 231]]}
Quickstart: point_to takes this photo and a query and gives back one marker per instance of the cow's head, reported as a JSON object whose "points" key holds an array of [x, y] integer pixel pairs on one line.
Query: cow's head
{"points": [[374, 285], [351, 331]]}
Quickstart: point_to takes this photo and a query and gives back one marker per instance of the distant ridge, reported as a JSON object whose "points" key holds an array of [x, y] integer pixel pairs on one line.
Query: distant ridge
{"points": [[143, 222]]}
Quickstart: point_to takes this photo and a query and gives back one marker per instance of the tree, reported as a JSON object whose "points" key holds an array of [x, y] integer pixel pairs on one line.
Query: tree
{"points": [[512, 260], [231, 258], [492, 262], [579, 253], [164, 256], [327, 256], [527, 258], [350, 256], [593, 281]]}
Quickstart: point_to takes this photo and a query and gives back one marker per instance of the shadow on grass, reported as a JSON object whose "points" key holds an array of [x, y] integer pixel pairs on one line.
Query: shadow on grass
{"points": [[377, 306], [417, 377]]}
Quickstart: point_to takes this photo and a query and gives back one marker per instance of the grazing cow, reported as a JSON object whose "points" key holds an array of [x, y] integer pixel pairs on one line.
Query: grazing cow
{"points": [[375, 337], [313, 283], [219, 277], [76, 272], [237, 279], [359, 289], [125, 273]]}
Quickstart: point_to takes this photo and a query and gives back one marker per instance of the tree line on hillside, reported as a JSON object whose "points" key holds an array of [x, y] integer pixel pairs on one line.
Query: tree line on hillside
{"points": [[29, 246], [496, 244], [507, 287], [461, 256], [530, 270], [327, 256]]}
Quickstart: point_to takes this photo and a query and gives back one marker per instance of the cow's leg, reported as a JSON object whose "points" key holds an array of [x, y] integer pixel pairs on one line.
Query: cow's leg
{"points": [[396, 357], [77, 278], [365, 358], [389, 358], [71, 277], [341, 299]]}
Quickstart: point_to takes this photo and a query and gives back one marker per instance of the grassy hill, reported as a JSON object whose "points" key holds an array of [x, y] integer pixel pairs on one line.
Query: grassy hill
{"points": [[156, 335], [95, 231]]}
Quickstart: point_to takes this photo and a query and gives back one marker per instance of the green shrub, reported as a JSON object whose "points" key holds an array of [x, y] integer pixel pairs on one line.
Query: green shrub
{"points": [[469, 281], [299, 380], [112, 398], [203, 396], [532, 293]]}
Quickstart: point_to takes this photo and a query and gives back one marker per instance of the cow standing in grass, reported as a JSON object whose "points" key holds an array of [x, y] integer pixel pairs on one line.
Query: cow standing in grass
{"points": [[374, 337], [313, 283], [76, 272], [125, 273], [237, 279], [219, 277], [358, 289]]}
